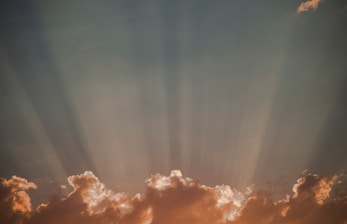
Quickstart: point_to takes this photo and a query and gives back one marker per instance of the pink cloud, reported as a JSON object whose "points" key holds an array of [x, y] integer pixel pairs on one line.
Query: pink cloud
{"points": [[15, 203], [309, 204], [174, 199], [310, 4]]}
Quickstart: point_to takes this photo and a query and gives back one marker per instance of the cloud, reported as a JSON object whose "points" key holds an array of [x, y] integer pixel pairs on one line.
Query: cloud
{"points": [[174, 199], [15, 203], [310, 4], [168, 199], [310, 203]]}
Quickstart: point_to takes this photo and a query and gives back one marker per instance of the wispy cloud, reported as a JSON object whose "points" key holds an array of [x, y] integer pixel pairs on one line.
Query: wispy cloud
{"points": [[174, 199], [310, 4]]}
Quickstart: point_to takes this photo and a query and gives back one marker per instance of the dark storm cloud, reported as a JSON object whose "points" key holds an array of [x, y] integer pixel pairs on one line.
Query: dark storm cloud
{"points": [[175, 199]]}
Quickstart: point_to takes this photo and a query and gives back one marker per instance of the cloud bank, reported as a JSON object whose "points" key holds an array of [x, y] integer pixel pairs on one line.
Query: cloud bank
{"points": [[175, 199], [310, 4]]}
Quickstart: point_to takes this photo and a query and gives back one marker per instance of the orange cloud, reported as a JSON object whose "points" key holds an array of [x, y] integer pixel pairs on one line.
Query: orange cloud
{"points": [[311, 203], [310, 4], [168, 199], [15, 203], [174, 199]]}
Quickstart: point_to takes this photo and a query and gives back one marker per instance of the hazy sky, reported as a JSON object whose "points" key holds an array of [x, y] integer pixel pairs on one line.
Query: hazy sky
{"points": [[234, 92]]}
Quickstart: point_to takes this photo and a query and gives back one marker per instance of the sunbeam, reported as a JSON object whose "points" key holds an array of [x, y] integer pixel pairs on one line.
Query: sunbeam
{"points": [[232, 93]]}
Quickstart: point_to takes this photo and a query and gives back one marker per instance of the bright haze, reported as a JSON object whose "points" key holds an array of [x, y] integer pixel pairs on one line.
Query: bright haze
{"points": [[99, 97]]}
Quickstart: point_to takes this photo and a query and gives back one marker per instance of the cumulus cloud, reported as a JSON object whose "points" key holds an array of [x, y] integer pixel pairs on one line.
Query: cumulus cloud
{"points": [[174, 199], [15, 203], [307, 5], [310, 203]]}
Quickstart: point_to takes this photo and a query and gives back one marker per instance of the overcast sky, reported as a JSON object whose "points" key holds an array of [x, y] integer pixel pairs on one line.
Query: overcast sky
{"points": [[234, 92]]}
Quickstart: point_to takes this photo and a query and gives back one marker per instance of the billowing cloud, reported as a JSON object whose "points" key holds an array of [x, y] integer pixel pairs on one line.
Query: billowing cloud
{"points": [[15, 203], [174, 199], [310, 4], [310, 203]]}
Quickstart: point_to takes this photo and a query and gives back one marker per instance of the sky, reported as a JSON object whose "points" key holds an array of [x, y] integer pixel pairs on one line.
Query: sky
{"points": [[241, 93]]}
